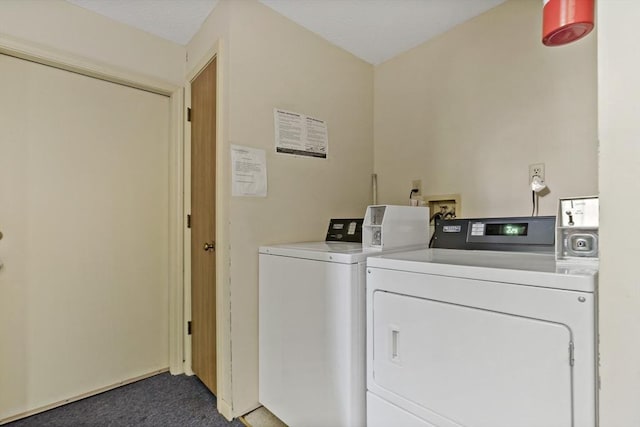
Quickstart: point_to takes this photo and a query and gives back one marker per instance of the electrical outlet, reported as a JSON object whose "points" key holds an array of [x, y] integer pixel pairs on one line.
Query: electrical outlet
{"points": [[417, 183], [536, 169]]}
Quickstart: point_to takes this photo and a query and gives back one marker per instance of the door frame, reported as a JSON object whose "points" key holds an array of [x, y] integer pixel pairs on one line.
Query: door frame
{"points": [[52, 57], [223, 312]]}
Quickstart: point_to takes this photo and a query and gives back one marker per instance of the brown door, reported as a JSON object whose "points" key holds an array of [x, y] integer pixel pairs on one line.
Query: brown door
{"points": [[203, 257]]}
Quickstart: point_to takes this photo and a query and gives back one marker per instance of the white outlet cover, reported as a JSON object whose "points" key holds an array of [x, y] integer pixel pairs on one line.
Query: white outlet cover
{"points": [[533, 172]]}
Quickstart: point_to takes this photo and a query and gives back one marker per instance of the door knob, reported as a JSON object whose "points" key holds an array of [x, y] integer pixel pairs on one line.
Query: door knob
{"points": [[210, 246]]}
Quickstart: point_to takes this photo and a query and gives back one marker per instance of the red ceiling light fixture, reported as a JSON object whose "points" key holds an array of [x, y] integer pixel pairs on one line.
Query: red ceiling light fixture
{"points": [[565, 21]]}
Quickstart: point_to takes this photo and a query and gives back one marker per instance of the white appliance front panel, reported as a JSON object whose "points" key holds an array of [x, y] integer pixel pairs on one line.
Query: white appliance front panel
{"points": [[381, 413], [475, 367], [312, 340], [575, 310]]}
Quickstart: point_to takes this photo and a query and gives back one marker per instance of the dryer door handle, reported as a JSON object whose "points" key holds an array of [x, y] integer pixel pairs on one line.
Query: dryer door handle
{"points": [[394, 341]]}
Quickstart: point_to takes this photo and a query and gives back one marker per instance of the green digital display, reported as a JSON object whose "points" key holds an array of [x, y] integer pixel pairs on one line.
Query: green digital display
{"points": [[509, 229]]}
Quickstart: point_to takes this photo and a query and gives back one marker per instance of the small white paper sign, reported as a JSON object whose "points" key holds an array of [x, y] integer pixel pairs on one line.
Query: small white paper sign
{"points": [[300, 135], [248, 171]]}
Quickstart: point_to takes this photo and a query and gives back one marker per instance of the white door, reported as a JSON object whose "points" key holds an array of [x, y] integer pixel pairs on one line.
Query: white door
{"points": [[471, 366], [84, 218]]}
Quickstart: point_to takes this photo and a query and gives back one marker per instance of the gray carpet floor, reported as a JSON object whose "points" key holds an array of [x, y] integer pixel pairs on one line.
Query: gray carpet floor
{"points": [[162, 400]]}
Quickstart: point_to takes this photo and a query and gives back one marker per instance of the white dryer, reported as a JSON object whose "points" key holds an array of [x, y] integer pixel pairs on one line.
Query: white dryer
{"points": [[482, 338]]}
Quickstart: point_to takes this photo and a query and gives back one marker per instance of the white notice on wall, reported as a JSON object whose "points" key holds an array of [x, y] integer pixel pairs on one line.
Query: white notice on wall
{"points": [[300, 135], [248, 171]]}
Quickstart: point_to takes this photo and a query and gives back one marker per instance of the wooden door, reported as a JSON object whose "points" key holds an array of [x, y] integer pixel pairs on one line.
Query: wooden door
{"points": [[203, 261]]}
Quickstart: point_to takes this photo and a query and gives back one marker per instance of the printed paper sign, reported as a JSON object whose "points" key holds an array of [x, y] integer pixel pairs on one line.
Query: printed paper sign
{"points": [[300, 135], [248, 171]]}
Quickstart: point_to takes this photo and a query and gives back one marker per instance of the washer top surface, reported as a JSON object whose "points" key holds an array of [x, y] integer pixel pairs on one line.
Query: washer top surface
{"points": [[341, 252], [533, 269]]}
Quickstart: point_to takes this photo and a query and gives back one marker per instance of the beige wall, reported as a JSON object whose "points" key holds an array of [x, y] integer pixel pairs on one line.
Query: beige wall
{"points": [[271, 62], [276, 63], [265, 62], [61, 25], [467, 113], [619, 132]]}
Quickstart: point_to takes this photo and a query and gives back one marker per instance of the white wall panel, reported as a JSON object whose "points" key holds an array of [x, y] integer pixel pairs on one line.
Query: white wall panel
{"points": [[619, 132]]}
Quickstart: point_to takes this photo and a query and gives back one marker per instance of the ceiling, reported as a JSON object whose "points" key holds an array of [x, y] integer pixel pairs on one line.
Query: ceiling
{"points": [[373, 30]]}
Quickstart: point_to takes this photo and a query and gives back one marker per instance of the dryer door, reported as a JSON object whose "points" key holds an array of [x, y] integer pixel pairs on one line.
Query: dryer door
{"points": [[472, 366]]}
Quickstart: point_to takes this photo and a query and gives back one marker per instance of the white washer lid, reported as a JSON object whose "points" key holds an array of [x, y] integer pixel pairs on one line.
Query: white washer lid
{"points": [[341, 252], [533, 269]]}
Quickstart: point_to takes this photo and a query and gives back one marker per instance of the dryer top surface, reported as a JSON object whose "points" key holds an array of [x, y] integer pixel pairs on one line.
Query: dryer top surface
{"points": [[534, 269]]}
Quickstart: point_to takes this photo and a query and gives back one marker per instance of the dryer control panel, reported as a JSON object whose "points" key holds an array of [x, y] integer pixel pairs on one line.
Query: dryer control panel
{"points": [[518, 234]]}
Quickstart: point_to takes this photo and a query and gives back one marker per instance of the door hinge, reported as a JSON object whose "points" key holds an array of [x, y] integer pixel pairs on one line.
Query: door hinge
{"points": [[189, 221], [571, 351], [188, 114], [189, 327]]}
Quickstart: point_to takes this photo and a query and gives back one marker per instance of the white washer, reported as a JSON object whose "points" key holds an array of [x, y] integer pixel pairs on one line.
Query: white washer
{"points": [[312, 332], [482, 339]]}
